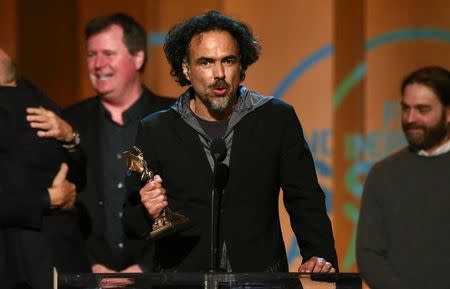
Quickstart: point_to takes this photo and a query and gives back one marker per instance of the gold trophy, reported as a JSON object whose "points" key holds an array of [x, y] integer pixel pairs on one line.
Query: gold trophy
{"points": [[168, 221]]}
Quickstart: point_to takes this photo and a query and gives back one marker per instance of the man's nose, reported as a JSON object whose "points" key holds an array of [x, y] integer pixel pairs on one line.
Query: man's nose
{"points": [[99, 61], [410, 116], [219, 71]]}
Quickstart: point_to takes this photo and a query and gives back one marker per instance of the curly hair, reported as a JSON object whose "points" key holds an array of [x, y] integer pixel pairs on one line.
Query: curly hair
{"points": [[134, 35], [434, 77], [176, 45]]}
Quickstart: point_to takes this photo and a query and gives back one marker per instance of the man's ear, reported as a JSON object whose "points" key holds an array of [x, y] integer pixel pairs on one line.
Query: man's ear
{"points": [[186, 69], [139, 59]]}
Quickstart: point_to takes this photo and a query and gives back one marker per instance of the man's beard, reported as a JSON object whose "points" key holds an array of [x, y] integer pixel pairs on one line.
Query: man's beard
{"points": [[430, 137], [219, 105]]}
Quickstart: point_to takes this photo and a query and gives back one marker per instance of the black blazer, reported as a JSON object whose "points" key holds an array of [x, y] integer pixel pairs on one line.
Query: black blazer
{"points": [[15, 204], [29, 164], [268, 152], [87, 169], [18, 152]]}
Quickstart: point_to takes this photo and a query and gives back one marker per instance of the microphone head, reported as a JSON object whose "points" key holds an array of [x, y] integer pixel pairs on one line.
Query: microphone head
{"points": [[218, 149]]}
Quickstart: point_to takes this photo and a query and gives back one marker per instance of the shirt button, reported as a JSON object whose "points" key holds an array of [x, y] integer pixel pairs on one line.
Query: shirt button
{"points": [[120, 245], [120, 185], [120, 214], [100, 203], [119, 156]]}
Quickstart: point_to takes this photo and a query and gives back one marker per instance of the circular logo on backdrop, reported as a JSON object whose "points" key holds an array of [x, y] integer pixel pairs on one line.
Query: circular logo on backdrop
{"points": [[360, 168]]}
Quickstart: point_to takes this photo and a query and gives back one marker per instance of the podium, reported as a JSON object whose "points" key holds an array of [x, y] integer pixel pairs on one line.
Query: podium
{"points": [[210, 281]]}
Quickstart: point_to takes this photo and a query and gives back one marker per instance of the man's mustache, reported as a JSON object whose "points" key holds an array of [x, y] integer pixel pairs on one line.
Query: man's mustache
{"points": [[219, 84], [409, 126]]}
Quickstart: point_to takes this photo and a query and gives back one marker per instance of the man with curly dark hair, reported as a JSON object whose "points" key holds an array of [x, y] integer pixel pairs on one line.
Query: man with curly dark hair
{"points": [[263, 148]]}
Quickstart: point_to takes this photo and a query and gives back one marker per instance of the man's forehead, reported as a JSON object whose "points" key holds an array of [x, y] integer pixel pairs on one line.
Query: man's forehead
{"points": [[418, 100], [418, 91], [212, 40], [215, 33], [112, 31]]}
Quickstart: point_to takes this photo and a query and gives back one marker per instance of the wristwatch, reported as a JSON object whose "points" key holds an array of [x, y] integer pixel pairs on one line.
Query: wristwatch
{"points": [[75, 141]]}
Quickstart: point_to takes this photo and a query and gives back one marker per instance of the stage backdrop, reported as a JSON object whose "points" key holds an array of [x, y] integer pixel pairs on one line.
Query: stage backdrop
{"points": [[339, 63]]}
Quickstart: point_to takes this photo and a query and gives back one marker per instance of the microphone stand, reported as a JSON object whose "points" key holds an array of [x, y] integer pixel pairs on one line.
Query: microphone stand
{"points": [[218, 152], [214, 220]]}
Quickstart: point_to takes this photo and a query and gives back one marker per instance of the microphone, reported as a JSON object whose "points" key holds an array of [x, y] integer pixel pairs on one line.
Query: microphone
{"points": [[218, 150]]}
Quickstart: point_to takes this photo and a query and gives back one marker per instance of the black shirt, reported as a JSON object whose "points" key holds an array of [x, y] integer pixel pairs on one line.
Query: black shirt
{"points": [[116, 139], [214, 129]]}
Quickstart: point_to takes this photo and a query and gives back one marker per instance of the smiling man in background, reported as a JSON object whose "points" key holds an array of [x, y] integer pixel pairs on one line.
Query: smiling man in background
{"points": [[99, 129], [404, 230]]}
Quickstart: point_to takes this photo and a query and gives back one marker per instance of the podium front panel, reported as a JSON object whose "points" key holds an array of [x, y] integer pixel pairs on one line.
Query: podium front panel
{"points": [[210, 281]]}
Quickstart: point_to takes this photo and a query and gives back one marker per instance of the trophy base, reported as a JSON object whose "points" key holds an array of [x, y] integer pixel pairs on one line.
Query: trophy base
{"points": [[168, 223]]}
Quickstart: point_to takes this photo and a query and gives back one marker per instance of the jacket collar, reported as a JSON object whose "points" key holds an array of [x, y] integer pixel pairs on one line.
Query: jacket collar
{"points": [[247, 102]]}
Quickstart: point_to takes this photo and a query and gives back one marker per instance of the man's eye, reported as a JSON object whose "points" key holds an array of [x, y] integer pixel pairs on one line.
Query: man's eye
{"points": [[424, 109]]}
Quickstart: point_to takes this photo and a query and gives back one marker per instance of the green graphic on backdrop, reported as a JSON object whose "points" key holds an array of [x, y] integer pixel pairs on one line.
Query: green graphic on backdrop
{"points": [[393, 139], [376, 143]]}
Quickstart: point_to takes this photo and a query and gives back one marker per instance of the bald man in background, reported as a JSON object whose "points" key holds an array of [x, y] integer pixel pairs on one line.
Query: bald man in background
{"points": [[7, 70], [61, 194], [37, 230]]}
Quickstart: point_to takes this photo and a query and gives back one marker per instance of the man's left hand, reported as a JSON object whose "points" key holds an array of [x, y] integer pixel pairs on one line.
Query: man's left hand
{"points": [[316, 265], [132, 269]]}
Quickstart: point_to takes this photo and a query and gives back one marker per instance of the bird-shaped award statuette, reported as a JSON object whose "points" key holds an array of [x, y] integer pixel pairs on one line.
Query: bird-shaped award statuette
{"points": [[168, 221]]}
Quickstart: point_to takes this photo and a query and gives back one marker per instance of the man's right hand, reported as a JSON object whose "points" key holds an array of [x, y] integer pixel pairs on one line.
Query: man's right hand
{"points": [[62, 192], [153, 197], [49, 125]]}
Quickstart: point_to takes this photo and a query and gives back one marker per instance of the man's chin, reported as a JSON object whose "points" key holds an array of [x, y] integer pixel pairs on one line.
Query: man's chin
{"points": [[416, 145], [219, 106], [104, 91], [414, 141]]}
